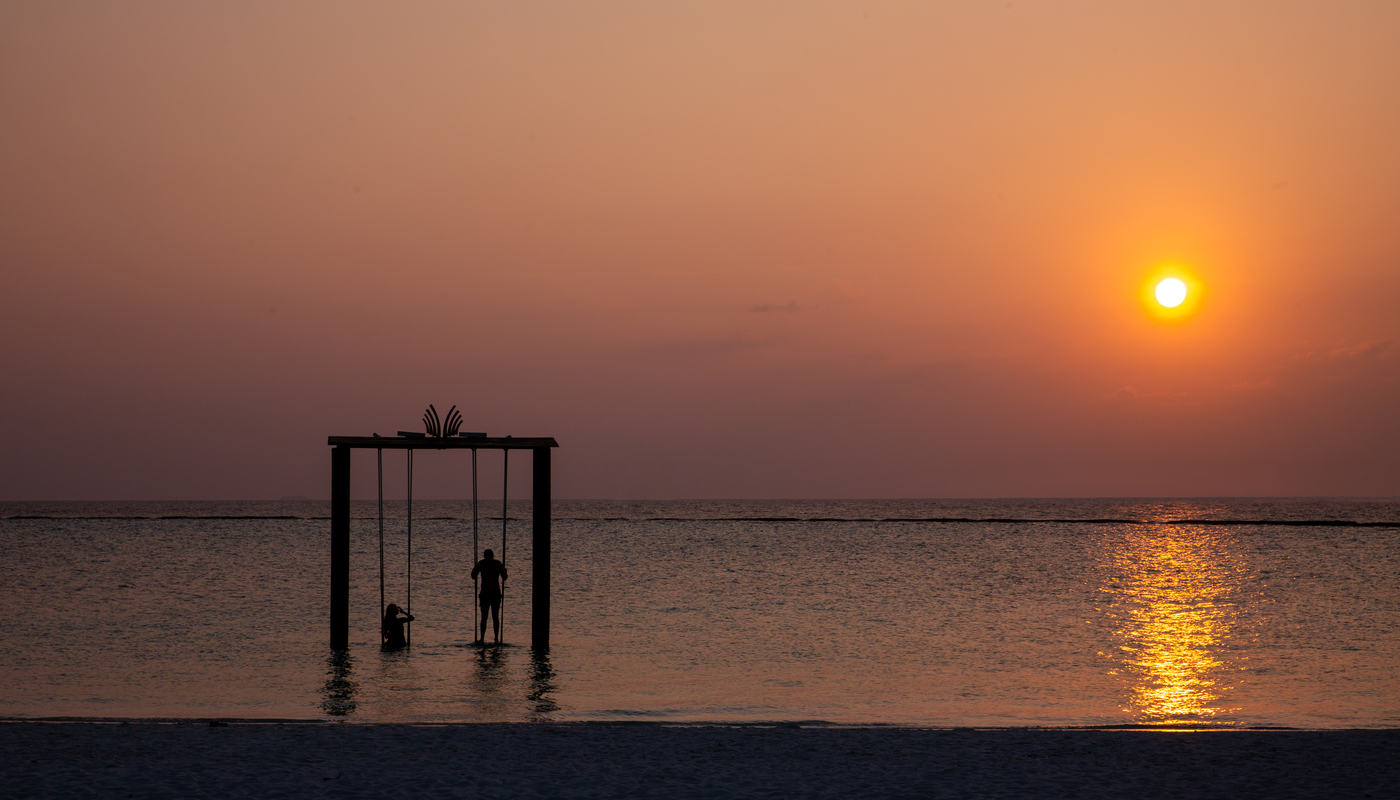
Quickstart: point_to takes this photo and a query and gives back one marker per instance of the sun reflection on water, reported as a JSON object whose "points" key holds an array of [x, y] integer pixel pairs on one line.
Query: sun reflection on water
{"points": [[1174, 595]]}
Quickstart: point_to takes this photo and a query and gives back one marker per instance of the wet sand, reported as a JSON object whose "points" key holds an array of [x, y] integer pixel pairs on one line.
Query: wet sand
{"points": [[301, 759]]}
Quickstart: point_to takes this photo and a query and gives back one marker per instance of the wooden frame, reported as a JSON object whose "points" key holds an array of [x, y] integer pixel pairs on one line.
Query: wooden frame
{"points": [[341, 446]]}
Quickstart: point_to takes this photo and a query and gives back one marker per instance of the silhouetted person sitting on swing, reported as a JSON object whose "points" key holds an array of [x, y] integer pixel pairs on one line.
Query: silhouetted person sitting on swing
{"points": [[391, 630], [493, 574]]}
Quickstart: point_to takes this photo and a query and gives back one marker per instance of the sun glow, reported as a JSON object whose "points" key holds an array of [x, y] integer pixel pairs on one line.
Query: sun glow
{"points": [[1171, 293]]}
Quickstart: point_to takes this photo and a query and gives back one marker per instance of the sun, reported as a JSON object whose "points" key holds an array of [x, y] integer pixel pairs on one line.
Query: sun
{"points": [[1172, 293]]}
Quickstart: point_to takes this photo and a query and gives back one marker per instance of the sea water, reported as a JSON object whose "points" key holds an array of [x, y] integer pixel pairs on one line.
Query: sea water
{"points": [[929, 613]]}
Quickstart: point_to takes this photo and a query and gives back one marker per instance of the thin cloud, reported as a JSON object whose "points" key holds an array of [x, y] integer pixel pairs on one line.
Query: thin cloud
{"points": [[1250, 386], [712, 347], [768, 308], [1365, 350], [1133, 394]]}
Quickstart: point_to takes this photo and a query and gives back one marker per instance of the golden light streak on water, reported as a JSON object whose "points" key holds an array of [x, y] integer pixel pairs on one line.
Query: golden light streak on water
{"points": [[1175, 594]]}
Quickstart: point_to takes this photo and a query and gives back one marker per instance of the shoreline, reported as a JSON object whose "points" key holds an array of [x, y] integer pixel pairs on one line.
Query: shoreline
{"points": [[190, 758]]}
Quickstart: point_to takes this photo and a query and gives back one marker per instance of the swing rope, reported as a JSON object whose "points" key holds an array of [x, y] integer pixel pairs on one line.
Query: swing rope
{"points": [[408, 638], [505, 516], [476, 581], [380, 452]]}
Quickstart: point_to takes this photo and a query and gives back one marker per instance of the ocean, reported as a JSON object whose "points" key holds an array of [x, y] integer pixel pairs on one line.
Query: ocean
{"points": [[1224, 613]]}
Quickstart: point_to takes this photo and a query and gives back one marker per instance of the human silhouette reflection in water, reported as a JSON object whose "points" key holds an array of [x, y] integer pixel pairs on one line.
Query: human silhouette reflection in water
{"points": [[492, 697], [500, 680], [391, 630], [338, 692], [1176, 604]]}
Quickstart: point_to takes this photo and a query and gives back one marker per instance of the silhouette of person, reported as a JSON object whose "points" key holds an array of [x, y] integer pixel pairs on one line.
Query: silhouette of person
{"points": [[493, 574], [391, 630]]}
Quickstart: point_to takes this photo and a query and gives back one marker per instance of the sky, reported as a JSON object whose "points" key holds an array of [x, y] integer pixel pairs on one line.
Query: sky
{"points": [[716, 249]]}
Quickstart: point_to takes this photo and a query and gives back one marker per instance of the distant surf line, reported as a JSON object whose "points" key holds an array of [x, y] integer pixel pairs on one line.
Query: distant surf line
{"points": [[1292, 523]]}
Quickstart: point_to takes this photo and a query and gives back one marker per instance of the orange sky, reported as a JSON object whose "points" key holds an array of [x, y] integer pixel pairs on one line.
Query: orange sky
{"points": [[716, 249]]}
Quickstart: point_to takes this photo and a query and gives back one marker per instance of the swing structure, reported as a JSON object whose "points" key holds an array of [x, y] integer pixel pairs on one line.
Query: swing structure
{"points": [[341, 446]]}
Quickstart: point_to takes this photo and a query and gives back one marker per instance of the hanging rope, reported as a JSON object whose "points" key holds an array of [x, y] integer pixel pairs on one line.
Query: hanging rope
{"points": [[505, 516], [476, 581], [408, 626], [380, 452]]}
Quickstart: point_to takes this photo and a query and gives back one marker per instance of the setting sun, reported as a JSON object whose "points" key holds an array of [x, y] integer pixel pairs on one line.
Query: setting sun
{"points": [[1171, 292]]}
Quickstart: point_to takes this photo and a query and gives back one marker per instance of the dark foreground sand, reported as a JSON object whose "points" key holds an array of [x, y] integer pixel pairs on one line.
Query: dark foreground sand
{"points": [[85, 759]]}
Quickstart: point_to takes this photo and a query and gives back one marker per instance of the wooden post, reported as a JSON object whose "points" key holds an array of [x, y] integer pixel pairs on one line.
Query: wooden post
{"points": [[539, 614], [340, 548]]}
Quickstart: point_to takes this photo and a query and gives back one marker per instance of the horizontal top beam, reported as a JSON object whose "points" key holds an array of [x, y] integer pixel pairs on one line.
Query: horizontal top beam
{"points": [[442, 443]]}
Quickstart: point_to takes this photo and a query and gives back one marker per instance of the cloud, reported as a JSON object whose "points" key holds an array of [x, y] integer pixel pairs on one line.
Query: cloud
{"points": [[767, 308], [1250, 386], [1134, 392], [707, 347], [1357, 352], [1130, 394]]}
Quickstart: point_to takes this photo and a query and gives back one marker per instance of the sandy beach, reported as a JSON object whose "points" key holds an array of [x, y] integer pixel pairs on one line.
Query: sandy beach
{"points": [[260, 759]]}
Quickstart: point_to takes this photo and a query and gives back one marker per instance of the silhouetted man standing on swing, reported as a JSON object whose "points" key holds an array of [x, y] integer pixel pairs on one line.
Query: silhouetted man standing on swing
{"points": [[493, 575]]}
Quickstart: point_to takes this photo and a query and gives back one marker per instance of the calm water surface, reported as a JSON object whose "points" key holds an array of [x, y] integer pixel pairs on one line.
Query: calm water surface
{"points": [[848, 612]]}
